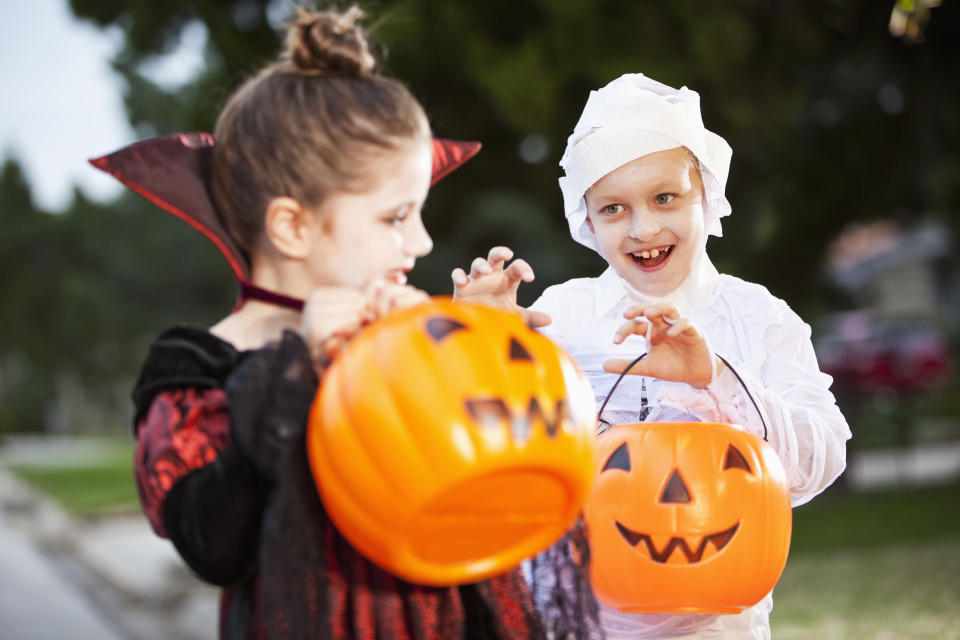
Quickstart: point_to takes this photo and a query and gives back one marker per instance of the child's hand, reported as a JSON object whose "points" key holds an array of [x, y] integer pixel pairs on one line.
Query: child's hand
{"points": [[332, 315], [491, 284], [385, 296], [678, 351]]}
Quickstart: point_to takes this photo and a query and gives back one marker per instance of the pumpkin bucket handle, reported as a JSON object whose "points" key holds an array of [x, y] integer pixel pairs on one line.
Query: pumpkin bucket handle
{"points": [[626, 370], [614, 388]]}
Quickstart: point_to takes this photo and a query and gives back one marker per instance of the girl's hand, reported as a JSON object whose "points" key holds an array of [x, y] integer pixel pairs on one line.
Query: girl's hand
{"points": [[678, 350], [385, 297], [332, 315], [491, 284]]}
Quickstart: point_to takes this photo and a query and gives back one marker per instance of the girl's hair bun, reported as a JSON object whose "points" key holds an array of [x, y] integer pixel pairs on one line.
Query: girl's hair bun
{"points": [[328, 42]]}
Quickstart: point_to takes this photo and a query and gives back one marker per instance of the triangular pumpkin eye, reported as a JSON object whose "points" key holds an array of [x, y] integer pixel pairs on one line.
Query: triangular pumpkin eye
{"points": [[439, 327], [735, 460], [619, 459], [518, 351]]}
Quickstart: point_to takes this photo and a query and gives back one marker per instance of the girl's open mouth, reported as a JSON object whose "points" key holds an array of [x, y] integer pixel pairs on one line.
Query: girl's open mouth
{"points": [[397, 277], [652, 258]]}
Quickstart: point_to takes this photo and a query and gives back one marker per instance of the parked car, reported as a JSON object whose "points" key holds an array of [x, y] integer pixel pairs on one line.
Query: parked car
{"points": [[867, 354]]}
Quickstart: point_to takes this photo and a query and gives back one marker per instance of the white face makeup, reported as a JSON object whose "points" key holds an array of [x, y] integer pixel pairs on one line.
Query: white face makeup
{"points": [[377, 233], [648, 219]]}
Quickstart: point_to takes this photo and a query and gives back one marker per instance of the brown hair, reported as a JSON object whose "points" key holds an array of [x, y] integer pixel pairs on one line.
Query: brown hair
{"points": [[304, 126]]}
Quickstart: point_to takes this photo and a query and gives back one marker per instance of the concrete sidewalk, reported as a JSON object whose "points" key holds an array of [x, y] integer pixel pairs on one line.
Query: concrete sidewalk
{"points": [[106, 579], [35, 601]]}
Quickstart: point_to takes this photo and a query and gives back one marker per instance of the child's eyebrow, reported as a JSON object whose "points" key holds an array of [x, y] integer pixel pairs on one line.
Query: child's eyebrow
{"points": [[604, 199], [673, 183], [406, 204]]}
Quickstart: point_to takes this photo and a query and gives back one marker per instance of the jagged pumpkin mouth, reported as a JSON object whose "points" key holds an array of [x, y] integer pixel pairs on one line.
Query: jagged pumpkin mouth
{"points": [[718, 540]]}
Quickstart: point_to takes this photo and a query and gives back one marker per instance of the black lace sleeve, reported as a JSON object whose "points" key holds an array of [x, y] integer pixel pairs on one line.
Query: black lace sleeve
{"points": [[270, 396], [220, 507], [214, 513]]}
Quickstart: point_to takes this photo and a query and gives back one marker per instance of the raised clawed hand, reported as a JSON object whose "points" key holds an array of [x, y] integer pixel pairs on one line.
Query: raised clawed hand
{"points": [[678, 350], [494, 284]]}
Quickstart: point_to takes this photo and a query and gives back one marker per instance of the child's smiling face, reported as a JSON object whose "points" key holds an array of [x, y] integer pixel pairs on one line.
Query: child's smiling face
{"points": [[647, 216]]}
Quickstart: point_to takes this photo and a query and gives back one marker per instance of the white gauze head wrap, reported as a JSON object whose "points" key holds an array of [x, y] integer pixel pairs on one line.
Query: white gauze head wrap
{"points": [[631, 117]]}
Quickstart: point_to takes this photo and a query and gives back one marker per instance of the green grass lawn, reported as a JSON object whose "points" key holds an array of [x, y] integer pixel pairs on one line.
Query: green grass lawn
{"points": [[876, 518], [875, 566], [880, 593], [87, 485]]}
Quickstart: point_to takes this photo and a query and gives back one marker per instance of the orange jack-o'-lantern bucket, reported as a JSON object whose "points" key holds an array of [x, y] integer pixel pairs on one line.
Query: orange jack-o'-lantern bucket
{"points": [[450, 441], [686, 517]]}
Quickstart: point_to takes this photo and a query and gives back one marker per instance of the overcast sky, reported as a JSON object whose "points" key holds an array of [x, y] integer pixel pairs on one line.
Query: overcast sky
{"points": [[61, 101]]}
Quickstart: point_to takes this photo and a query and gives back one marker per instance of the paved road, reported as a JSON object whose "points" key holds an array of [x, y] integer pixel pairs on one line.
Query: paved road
{"points": [[108, 579], [36, 601]]}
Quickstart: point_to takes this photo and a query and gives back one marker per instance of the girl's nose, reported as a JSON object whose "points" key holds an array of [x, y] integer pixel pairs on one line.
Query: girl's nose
{"points": [[418, 242], [643, 224]]}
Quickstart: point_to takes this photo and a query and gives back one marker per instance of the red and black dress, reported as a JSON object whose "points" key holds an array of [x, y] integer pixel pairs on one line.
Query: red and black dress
{"points": [[222, 470]]}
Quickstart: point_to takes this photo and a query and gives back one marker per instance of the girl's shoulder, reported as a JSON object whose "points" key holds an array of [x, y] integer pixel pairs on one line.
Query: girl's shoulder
{"points": [[184, 357], [184, 344]]}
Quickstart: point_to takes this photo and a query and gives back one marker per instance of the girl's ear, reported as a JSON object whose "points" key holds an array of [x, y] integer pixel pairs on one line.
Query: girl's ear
{"points": [[288, 227], [590, 224]]}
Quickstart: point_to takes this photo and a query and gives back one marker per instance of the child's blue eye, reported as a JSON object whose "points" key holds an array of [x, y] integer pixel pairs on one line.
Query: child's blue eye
{"points": [[664, 198], [612, 209]]}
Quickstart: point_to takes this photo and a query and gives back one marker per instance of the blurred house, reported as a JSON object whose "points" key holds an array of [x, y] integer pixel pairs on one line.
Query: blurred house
{"points": [[896, 272], [903, 284]]}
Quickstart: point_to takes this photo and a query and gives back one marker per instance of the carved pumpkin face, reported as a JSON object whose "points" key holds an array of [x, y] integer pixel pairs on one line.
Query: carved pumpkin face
{"points": [[686, 517], [451, 441]]}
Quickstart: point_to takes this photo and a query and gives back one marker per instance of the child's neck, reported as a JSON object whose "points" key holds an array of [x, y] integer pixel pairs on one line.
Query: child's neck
{"points": [[256, 324], [286, 276], [695, 290]]}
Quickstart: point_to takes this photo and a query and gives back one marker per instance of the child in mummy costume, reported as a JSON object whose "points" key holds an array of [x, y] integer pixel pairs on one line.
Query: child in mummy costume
{"points": [[644, 187]]}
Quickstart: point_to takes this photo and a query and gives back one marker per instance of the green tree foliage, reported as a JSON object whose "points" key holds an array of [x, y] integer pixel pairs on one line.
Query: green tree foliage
{"points": [[83, 294], [832, 120]]}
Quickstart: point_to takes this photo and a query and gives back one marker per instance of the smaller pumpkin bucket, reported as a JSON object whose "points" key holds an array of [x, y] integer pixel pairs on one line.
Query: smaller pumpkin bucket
{"points": [[686, 517], [450, 441]]}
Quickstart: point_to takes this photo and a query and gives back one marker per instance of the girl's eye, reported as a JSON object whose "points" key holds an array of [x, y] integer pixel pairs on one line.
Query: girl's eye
{"points": [[398, 217], [664, 198], [612, 209]]}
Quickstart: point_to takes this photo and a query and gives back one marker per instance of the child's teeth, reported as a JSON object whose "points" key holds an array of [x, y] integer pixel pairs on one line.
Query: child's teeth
{"points": [[654, 253], [645, 254]]}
